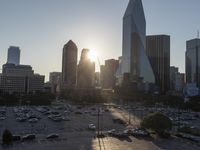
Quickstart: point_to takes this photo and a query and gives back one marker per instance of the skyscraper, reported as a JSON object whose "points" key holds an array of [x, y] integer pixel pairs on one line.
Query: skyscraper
{"points": [[69, 65], [134, 57], [86, 71], [173, 71], [193, 62], [13, 55], [158, 51], [108, 72], [177, 79]]}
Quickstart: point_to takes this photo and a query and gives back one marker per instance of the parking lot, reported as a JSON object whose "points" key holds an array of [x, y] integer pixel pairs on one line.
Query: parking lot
{"points": [[73, 127]]}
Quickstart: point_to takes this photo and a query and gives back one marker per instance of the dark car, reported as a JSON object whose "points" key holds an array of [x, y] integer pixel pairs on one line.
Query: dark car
{"points": [[119, 121], [16, 137]]}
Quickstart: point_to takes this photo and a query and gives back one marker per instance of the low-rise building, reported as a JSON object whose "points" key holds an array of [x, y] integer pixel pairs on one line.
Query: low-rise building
{"points": [[55, 79], [20, 79]]}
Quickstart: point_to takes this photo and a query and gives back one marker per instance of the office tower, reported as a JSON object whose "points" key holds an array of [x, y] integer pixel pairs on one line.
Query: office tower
{"points": [[177, 79], [193, 62], [173, 72], [158, 51], [69, 65], [85, 72], [108, 71], [97, 79], [13, 55], [20, 79], [134, 57], [55, 81], [118, 74]]}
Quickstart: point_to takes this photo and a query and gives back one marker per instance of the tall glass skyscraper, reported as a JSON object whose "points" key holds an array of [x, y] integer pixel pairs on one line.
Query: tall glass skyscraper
{"points": [[134, 57], [13, 55], [193, 62]]}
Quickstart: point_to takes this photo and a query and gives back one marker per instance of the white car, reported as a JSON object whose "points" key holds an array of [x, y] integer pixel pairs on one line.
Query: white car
{"points": [[2, 118], [33, 120], [91, 127]]}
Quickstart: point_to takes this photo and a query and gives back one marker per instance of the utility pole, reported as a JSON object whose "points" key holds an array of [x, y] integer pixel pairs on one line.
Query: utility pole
{"points": [[98, 123], [101, 122]]}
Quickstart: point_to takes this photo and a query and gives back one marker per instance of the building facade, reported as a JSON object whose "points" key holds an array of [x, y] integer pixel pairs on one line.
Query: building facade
{"points": [[18, 70], [173, 71], [108, 72], [69, 65], [13, 55], [158, 51], [86, 71], [20, 79], [134, 57], [193, 62], [177, 80], [55, 81]]}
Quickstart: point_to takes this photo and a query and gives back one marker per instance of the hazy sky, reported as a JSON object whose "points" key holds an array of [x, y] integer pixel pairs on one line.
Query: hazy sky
{"points": [[41, 28]]}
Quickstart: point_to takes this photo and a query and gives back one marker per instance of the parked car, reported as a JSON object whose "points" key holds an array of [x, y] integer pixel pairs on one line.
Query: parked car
{"points": [[2, 118], [78, 112], [117, 134], [118, 120], [64, 118], [140, 132], [28, 137], [91, 127], [33, 120], [16, 137], [21, 119], [52, 136]]}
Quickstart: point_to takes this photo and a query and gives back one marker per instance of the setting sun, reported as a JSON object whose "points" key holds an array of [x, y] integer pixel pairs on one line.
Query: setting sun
{"points": [[92, 55]]}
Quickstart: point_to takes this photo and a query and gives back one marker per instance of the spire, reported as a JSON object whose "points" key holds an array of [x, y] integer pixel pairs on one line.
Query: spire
{"points": [[132, 5], [70, 43]]}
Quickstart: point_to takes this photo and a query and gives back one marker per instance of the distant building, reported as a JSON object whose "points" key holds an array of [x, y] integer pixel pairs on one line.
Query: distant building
{"points": [[173, 72], [97, 79], [119, 77], [158, 51], [13, 55], [20, 79], [191, 90], [55, 81], [193, 62], [69, 65], [17, 70], [108, 72], [86, 71], [134, 56], [177, 80], [180, 82], [47, 87]]}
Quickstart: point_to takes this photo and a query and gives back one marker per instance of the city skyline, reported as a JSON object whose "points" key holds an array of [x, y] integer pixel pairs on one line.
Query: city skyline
{"points": [[40, 31]]}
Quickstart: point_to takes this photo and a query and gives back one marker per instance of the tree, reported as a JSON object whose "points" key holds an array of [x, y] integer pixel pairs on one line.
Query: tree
{"points": [[157, 122], [7, 137], [193, 103]]}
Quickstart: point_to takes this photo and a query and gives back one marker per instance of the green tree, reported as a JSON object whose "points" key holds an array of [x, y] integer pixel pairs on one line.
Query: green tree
{"points": [[7, 137], [157, 122]]}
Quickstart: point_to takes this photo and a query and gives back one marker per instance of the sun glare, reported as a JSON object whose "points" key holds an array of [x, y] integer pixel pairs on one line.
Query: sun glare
{"points": [[92, 55]]}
